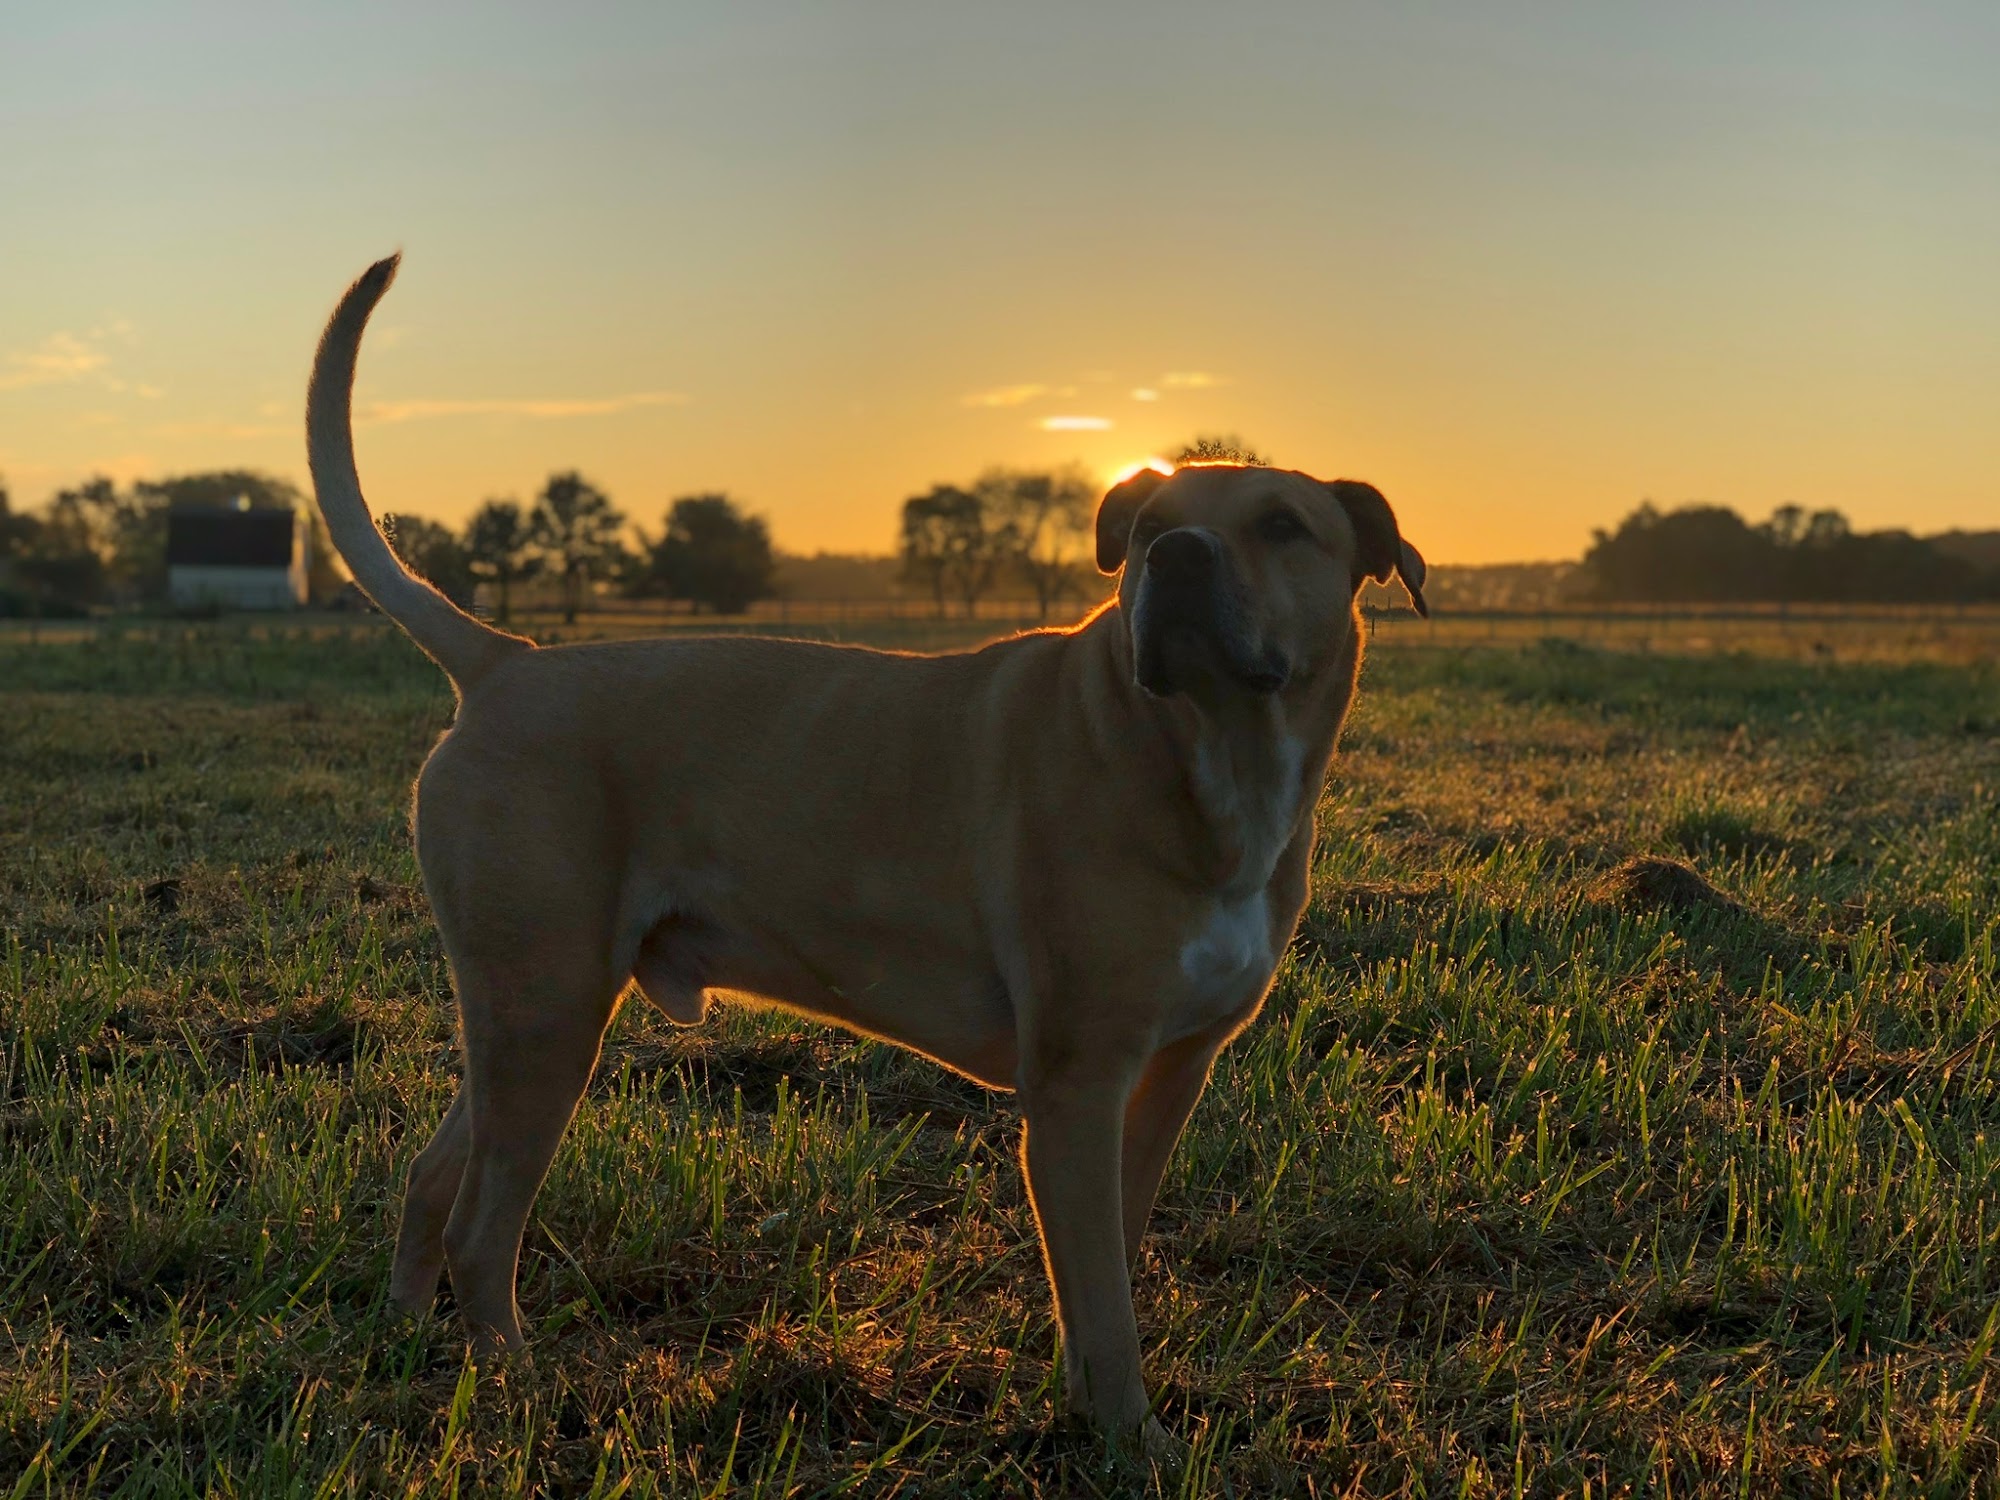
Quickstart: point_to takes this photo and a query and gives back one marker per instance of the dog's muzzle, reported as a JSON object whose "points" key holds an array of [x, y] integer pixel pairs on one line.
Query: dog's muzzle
{"points": [[1189, 622]]}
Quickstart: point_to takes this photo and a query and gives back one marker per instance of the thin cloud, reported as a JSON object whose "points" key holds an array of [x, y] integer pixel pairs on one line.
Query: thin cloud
{"points": [[1005, 395], [1191, 380], [384, 413], [60, 359], [1145, 393], [1075, 424]]}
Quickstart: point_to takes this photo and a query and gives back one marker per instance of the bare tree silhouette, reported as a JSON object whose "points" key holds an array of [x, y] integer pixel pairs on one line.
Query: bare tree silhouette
{"points": [[497, 548], [576, 529]]}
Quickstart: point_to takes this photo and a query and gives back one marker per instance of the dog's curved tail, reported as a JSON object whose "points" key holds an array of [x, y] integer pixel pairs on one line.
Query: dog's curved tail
{"points": [[466, 648]]}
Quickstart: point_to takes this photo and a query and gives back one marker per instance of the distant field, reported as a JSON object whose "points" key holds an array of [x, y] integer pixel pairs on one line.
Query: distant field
{"points": [[1540, 1171], [1888, 633], [1884, 633]]}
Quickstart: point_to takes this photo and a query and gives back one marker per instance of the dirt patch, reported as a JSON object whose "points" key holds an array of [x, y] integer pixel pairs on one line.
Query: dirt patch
{"points": [[279, 1042], [703, 1070], [1375, 898], [369, 891], [1649, 883]]}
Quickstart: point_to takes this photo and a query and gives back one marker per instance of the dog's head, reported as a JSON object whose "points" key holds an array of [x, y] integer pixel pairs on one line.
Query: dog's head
{"points": [[1240, 579]]}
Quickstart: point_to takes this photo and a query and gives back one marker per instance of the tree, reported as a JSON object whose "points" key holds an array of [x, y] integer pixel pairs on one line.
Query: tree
{"points": [[1042, 521], [49, 564], [1786, 525], [1824, 528], [923, 540], [576, 528], [15, 528], [432, 552], [16, 531], [497, 542], [95, 544], [950, 543], [711, 554], [1218, 448]]}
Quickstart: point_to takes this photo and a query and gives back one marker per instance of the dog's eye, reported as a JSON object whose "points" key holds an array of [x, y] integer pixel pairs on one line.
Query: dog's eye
{"points": [[1281, 526]]}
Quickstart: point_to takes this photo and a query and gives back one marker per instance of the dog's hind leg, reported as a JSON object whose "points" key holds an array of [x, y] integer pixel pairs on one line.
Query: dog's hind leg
{"points": [[532, 1032], [427, 1200]]}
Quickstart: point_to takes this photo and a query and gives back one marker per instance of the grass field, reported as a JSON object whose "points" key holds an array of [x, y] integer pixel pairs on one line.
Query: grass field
{"points": [[1543, 1172]]}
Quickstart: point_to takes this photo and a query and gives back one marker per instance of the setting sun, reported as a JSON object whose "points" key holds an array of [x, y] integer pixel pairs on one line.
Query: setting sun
{"points": [[1120, 475]]}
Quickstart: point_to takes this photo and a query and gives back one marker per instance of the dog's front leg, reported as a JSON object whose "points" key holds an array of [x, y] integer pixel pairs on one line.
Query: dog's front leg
{"points": [[1166, 1094], [1075, 1127]]}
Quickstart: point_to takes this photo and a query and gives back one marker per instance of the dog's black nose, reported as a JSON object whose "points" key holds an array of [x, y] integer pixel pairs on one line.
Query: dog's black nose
{"points": [[1183, 555]]}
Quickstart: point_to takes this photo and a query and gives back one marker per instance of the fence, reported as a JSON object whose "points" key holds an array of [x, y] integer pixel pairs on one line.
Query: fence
{"points": [[1954, 632], [1961, 633]]}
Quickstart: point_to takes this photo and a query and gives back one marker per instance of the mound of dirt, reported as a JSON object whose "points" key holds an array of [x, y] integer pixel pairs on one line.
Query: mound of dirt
{"points": [[1647, 883], [1375, 898]]}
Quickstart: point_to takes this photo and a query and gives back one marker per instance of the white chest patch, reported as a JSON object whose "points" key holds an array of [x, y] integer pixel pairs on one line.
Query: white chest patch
{"points": [[1254, 803], [1231, 948]]}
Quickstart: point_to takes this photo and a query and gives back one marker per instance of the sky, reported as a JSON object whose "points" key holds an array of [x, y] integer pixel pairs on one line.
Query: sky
{"points": [[1522, 266]]}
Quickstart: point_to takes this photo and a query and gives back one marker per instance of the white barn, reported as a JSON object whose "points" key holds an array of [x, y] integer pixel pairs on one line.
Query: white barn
{"points": [[235, 558]]}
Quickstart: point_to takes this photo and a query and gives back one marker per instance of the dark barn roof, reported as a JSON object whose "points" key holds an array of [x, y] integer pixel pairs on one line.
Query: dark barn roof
{"points": [[230, 538]]}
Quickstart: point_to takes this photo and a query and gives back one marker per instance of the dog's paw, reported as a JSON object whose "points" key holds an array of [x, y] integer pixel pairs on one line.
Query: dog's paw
{"points": [[503, 1348], [1148, 1451], [1161, 1449]]}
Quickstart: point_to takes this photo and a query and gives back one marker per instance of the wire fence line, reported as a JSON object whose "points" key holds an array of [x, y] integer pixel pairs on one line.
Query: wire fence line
{"points": [[1954, 632]]}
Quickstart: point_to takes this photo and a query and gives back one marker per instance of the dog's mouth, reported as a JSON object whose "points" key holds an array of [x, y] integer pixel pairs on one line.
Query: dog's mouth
{"points": [[1180, 656], [1191, 629]]}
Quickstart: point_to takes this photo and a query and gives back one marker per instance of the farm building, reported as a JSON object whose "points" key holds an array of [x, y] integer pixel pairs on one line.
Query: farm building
{"points": [[236, 558]]}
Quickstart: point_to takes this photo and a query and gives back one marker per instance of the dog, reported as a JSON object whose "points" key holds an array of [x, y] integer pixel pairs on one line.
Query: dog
{"points": [[1065, 864]]}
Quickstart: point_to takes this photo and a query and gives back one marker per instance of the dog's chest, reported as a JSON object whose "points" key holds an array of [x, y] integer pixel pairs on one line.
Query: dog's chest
{"points": [[1253, 798], [1226, 960]]}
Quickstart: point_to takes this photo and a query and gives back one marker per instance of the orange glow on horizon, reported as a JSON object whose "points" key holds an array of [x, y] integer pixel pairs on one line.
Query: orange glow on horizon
{"points": [[1573, 294]]}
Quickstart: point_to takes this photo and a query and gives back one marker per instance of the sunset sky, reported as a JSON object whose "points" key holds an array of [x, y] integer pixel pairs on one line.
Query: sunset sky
{"points": [[1520, 265]]}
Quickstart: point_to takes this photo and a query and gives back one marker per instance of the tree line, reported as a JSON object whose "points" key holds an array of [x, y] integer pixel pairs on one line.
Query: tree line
{"points": [[958, 541], [96, 545], [1710, 554], [1034, 528], [710, 553]]}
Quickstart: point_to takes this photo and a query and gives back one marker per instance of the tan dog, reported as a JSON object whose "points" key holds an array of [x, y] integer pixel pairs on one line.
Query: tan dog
{"points": [[1065, 864]]}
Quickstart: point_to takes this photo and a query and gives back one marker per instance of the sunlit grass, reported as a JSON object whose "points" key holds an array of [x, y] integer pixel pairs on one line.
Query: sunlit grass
{"points": [[1524, 1181]]}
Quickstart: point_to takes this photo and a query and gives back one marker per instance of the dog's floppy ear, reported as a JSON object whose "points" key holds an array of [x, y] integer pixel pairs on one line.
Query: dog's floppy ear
{"points": [[1116, 514], [1382, 548]]}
